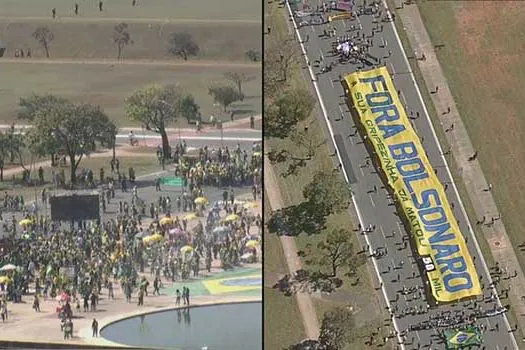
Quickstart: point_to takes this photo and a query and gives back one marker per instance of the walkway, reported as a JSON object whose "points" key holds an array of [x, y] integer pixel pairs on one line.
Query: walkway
{"points": [[304, 300], [461, 147], [24, 324]]}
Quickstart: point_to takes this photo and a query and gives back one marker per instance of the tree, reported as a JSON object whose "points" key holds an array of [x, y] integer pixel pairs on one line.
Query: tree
{"points": [[306, 142], [189, 108], [4, 151], [44, 36], [328, 193], [253, 55], [121, 38], [30, 106], [182, 44], [73, 128], [238, 79], [34, 104], [281, 57], [155, 107], [224, 95], [281, 116], [337, 328], [334, 252]]}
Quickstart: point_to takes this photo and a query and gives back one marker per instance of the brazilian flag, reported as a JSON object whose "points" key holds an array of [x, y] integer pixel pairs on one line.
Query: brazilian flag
{"points": [[463, 338]]}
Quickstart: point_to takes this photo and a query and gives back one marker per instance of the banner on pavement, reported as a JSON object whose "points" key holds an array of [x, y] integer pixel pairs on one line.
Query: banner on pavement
{"points": [[467, 337], [418, 191]]}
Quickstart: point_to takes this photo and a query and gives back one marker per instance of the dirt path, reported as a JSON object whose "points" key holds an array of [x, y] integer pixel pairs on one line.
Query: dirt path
{"points": [[129, 20], [304, 300], [462, 148], [112, 62]]}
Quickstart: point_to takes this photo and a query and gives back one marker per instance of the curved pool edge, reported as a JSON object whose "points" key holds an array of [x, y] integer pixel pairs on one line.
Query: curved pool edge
{"points": [[85, 333]]}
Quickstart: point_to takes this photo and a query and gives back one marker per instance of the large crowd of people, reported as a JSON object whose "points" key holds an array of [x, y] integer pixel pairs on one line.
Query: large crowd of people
{"points": [[179, 238]]}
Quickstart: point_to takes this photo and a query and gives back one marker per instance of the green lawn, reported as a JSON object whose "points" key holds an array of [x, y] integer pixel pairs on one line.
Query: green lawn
{"points": [[165, 9], [143, 165], [283, 324], [93, 40], [363, 298], [109, 85], [442, 23]]}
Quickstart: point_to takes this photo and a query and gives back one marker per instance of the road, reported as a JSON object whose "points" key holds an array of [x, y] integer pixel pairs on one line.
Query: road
{"points": [[397, 267]]}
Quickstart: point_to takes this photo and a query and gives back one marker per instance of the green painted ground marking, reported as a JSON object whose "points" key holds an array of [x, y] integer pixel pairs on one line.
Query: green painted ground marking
{"points": [[172, 181]]}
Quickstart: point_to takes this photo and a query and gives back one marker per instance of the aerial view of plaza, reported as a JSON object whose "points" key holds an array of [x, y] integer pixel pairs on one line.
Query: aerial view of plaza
{"points": [[131, 174]]}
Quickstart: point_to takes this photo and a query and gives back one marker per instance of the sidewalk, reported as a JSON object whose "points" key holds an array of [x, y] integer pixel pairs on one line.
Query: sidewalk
{"points": [[24, 324], [470, 171], [304, 300]]}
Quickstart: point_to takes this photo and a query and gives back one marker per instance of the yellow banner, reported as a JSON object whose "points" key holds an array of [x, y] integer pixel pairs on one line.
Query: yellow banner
{"points": [[418, 191]]}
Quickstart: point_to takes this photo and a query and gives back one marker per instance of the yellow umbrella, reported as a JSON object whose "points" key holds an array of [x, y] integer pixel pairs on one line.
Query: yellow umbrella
{"points": [[25, 222], [256, 154], [191, 216], [252, 244], [186, 249], [201, 200], [232, 217], [156, 237], [5, 279], [166, 220], [251, 205]]}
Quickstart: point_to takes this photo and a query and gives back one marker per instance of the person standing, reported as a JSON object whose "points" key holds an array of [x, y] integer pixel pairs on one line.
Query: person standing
{"points": [[177, 300], [100, 4], [54, 12], [36, 303], [94, 327], [76, 9]]}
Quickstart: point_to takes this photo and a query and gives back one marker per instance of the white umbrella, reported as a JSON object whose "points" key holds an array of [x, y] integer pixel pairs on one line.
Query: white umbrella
{"points": [[9, 267]]}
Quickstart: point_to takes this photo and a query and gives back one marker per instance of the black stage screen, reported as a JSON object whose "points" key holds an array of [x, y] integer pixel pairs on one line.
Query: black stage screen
{"points": [[75, 207]]}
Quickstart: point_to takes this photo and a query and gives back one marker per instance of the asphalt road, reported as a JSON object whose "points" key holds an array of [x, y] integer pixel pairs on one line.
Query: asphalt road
{"points": [[398, 265]]}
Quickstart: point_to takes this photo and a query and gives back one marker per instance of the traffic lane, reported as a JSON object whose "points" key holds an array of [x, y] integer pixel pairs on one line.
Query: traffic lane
{"points": [[422, 127], [320, 80], [486, 321], [366, 181]]}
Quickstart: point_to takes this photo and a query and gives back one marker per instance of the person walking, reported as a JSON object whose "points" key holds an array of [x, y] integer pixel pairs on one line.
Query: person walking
{"points": [[177, 300], [36, 303], [76, 9], [94, 327], [100, 4], [54, 12]]}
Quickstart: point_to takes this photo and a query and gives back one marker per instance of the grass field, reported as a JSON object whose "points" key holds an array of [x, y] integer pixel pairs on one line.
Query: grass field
{"points": [[143, 164], [283, 326], [362, 297], [483, 50], [180, 9], [109, 85], [93, 39]]}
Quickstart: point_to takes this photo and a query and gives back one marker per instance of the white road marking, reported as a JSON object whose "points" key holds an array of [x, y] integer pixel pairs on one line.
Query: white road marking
{"points": [[342, 112], [331, 82], [453, 183], [362, 173], [382, 231], [371, 200], [358, 212]]}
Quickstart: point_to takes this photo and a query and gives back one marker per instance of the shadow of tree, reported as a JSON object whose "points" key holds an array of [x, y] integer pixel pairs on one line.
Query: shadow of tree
{"points": [[296, 219]]}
